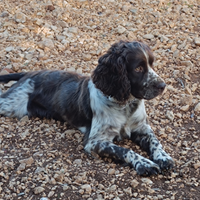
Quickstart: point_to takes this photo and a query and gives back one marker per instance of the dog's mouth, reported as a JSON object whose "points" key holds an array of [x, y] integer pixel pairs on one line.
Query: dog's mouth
{"points": [[151, 91], [154, 90]]}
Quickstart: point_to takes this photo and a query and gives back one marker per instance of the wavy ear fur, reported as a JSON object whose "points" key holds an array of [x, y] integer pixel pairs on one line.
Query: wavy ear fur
{"points": [[110, 76]]}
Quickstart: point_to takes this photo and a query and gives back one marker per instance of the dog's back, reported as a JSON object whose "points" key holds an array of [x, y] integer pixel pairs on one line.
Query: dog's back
{"points": [[48, 94]]}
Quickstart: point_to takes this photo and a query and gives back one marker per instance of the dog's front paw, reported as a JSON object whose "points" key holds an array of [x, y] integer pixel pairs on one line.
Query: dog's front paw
{"points": [[146, 167], [164, 161]]}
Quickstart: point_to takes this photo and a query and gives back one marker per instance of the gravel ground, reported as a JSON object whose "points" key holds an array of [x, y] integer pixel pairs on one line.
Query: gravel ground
{"points": [[44, 159]]}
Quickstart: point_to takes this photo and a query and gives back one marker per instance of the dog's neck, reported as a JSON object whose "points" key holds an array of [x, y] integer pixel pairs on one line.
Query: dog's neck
{"points": [[130, 100]]}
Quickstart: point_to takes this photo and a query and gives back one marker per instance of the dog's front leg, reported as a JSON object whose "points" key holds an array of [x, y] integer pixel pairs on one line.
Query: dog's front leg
{"points": [[147, 140], [103, 148]]}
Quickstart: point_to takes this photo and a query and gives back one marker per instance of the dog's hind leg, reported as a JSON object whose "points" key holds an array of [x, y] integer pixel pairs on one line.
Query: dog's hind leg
{"points": [[13, 103]]}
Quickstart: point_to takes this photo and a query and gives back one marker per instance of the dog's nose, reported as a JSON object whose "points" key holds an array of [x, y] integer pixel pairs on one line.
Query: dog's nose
{"points": [[161, 85]]}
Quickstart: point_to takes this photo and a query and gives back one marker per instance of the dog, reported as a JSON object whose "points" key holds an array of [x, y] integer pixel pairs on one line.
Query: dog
{"points": [[107, 106]]}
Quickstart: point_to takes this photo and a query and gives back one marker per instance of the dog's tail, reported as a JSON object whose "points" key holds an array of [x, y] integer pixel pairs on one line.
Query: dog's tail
{"points": [[11, 77]]}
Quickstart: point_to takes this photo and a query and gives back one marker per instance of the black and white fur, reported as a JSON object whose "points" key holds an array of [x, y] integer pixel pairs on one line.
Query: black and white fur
{"points": [[107, 106]]}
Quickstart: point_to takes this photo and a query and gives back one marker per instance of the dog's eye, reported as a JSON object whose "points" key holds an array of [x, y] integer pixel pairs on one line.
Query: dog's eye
{"points": [[139, 69]]}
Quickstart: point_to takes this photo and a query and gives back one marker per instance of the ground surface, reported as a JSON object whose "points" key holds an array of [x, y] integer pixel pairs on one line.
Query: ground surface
{"points": [[43, 159]]}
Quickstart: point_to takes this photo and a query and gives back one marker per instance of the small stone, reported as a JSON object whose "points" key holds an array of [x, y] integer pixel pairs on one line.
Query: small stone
{"points": [[173, 47], [38, 190], [197, 108], [134, 11], [111, 171], [51, 193], [128, 191], [46, 43], [100, 186], [147, 181], [65, 187], [4, 72], [87, 188], [73, 30], [87, 57], [188, 91], [39, 22], [39, 169], [197, 41], [27, 161], [24, 119], [10, 48], [176, 53], [182, 45], [50, 7], [44, 198], [4, 14], [186, 99], [148, 36], [112, 188], [81, 191], [77, 162], [9, 84], [197, 165], [185, 108], [59, 177], [187, 63], [134, 183], [21, 167], [170, 115], [20, 17], [25, 134], [121, 29], [63, 24]]}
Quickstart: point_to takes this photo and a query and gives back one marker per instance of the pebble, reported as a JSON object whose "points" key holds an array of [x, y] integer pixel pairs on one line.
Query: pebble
{"points": [[134, 183], [46, 43], [10, 48], [28, 161], [148, 36], [25, 134], [186, 99], [111, 171], [197, 165], [21, 167], [134, 11], [87, 188], [73, 30], [187, 63], [176, 53], [87, 57], [4, 14], [77, 162], [197, 108], [24, 119], [197, 41], [51, 193], [121, 29], [20, 17], [38, 190], [170, 115], [185, 108], [147, 181]]}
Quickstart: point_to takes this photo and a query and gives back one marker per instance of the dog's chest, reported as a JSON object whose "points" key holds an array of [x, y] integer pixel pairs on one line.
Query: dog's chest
{"points": [[135, 116]]}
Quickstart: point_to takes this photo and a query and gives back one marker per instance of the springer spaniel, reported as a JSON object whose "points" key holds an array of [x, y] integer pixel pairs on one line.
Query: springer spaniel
{"points": [[107, 106]]}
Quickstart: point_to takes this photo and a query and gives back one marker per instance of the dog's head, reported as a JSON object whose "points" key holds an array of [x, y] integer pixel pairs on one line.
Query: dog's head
{"points": [[127, 69]]}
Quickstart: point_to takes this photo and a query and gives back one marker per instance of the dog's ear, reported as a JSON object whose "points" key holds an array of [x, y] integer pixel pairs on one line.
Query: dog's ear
{"points": [[110, 76]]}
